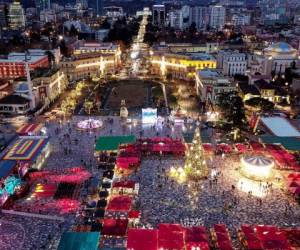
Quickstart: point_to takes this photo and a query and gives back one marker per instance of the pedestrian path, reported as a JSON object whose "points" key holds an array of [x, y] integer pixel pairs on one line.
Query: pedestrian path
{"points": [[41, 216]]}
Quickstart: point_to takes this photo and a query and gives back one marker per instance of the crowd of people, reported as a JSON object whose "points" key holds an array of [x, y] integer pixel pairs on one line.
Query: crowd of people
{"points": [[70, 148], [20, 232], [221, 198], [224, 197]]}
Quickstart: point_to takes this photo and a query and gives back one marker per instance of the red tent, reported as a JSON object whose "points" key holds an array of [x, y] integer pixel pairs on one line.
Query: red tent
{"points": [[293, 236], [222, 237], [134, 214], [115, 227], [170, 236], [142, 239], [124, 184], [119, 203], [208, 147], [196, 237], [241, 147], [125, 162], [294, 175], [294, 190], [256, 146], [29, 129]]}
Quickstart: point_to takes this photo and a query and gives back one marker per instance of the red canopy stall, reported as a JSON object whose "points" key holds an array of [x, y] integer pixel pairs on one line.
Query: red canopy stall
{"points": [[196, 237], [115, 227], [170, 236], [120, 203], [142, 239]]}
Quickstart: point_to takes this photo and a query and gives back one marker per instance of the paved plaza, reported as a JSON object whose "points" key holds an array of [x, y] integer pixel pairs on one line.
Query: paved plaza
{"points": [[222, 198]]}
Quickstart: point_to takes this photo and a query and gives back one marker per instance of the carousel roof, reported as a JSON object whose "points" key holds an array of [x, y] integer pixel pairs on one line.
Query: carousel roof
{"points": [[257, 160]]}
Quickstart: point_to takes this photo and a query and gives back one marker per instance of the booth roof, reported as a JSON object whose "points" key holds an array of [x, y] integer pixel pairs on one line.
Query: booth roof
{"points": [[170, 236], [26, 149], [79, 241], [119, 203], [289, 143], [115, 227], [142, 239], [29, 128], [6, 167], [108, 143]]}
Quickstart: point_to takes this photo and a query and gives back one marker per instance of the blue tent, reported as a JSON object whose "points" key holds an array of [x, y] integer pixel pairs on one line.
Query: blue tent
{"points": [[79, 241], [6, 168]]}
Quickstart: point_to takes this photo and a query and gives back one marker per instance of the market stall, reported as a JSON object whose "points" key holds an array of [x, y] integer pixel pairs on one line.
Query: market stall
{"points": [[30, 149]]}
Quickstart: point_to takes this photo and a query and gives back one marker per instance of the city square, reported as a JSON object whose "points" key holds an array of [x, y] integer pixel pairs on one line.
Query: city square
{"points": [[130, 125]]}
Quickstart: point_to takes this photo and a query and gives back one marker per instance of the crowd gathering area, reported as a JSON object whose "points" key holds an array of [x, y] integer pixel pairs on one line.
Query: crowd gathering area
{"points": [[106, 184]]}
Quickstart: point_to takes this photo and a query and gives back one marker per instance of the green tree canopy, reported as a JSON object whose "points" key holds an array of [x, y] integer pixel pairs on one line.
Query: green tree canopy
{"points": [[260, 103]]}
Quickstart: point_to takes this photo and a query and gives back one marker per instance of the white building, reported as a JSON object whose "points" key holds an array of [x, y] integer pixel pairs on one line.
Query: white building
{"points": [[240, 19], [16, 16], [14, 105], [47, 16], [159, 15], [210, 83], [174, 18], [184, 17], [232, 62], [101, 34], [281, 55], [113, 11], [200, 16], [217, 17]]}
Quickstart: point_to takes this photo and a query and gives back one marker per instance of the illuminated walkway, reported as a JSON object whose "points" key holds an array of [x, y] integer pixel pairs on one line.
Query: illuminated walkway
{"points": [[41, 216]]}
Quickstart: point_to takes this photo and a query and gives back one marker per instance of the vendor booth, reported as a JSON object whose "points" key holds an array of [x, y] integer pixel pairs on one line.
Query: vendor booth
{"points": [[30, 149]]}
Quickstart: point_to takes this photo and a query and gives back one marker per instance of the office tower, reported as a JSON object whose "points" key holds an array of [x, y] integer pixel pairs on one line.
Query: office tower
{"points": [[99, 7], [16, 16], [217, 17], [159, 15]]}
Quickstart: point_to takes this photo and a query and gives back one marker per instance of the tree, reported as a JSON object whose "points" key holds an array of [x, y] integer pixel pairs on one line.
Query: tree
{"points": [[88, 105], [232, 107], [192, 28], [51, 58], [149, 38], [105, 24], [63, 48], [261, 104], [73, 31], [195, 166]]}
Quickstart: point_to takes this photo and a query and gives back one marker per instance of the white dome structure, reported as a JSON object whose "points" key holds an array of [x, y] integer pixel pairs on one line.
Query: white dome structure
{"points": [[281, 48], [281, 56], [257, 167]]}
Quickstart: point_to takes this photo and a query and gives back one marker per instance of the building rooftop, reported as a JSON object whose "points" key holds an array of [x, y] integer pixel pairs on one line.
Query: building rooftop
{"points": [[209, 73], [198, 56], [14, 99], [33, 56], [248, 89], [95, 46]]}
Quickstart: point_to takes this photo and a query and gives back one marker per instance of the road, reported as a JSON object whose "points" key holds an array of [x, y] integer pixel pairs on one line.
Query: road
{"points": [[137, 53]]}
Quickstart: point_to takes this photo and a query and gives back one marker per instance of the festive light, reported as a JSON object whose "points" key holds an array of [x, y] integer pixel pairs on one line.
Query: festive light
{"points": [[257, 167], [195, 164], [89, 124]]}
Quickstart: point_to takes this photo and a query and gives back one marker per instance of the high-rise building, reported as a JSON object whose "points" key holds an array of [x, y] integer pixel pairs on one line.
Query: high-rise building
{"points": [[42, 4], [200, 16], [3, 16], [16, 16], [217, 16], [99, 7], [158, 15]]}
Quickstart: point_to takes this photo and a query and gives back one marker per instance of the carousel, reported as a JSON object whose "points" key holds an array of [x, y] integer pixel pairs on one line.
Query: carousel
{"points": [[258, 168], [89, 124]]}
